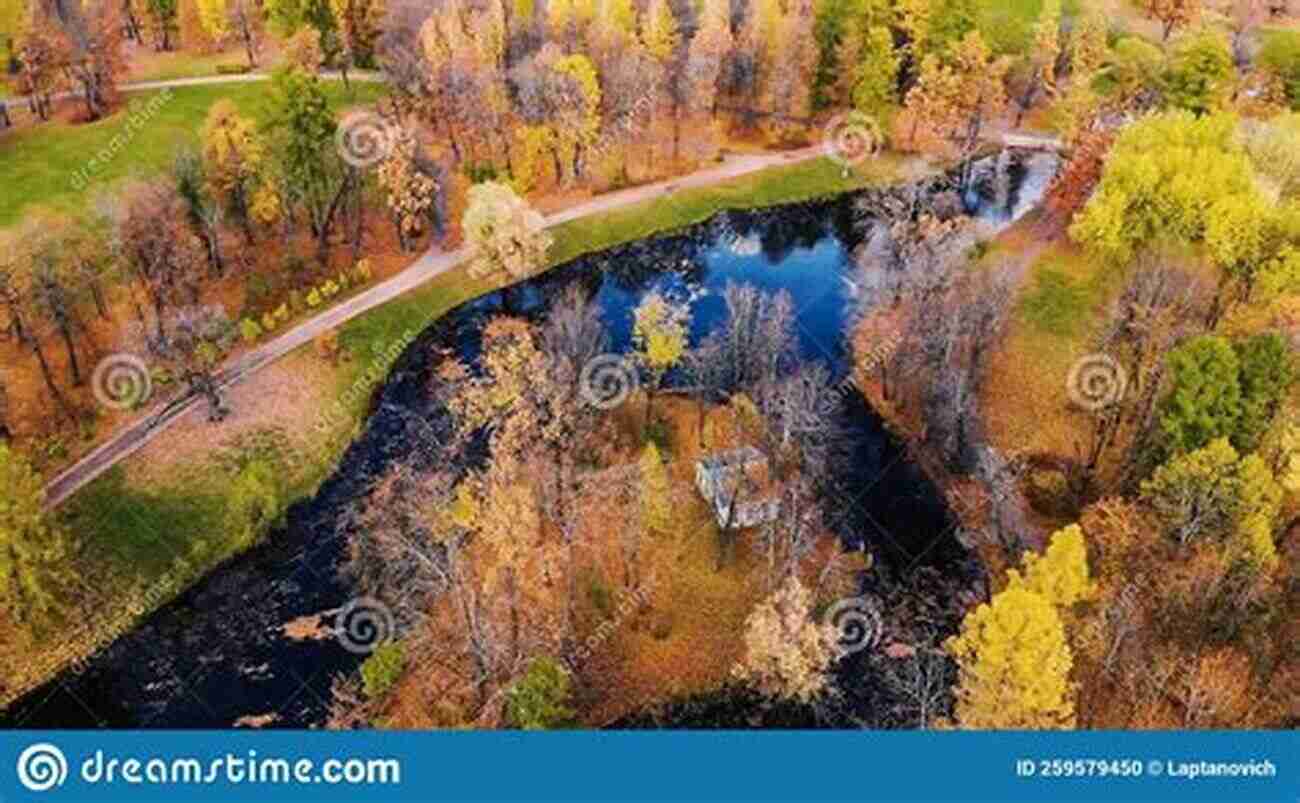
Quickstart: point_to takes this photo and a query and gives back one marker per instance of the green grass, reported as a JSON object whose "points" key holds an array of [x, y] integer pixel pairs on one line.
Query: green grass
{"points": [[184, 64], [40, 163], [777, 185]]}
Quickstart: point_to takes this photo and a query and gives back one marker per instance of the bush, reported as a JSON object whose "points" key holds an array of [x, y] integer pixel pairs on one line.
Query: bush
{"points": [[313, 298], [540, 699], [1281, 56], [329, 289], [327, 346], [362, 271], [342, 280], [268, 322], [296, 302], [383, 669], [282, 313], [250, 329]]}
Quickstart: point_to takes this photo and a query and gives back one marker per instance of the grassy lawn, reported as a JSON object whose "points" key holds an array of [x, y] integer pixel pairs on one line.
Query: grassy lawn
{"points": [[41, 162], [777, 185], [135, 537], [181, 64]]}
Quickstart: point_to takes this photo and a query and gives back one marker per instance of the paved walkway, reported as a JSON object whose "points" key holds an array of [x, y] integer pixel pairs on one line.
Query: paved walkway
{"points": [[433, 263]]}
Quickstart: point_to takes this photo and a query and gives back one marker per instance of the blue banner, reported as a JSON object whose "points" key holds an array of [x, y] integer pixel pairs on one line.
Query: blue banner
{"points": [[609, 766]]}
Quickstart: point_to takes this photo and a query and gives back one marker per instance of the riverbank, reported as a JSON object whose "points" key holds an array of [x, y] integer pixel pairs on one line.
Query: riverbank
{"points": [[152, 526]]}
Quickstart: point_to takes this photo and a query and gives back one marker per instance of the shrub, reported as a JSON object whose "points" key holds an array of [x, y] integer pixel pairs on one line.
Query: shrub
{"points": [[268, 322], [1281, 56], [362, 271], [329, 289], [327, 346], [296, 301], [383, 669], [540, 699], [313, 298], [282, 313], [250, 329]]}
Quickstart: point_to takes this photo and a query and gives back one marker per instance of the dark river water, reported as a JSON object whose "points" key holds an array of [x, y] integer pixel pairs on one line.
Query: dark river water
{"points": [[218, 653]]}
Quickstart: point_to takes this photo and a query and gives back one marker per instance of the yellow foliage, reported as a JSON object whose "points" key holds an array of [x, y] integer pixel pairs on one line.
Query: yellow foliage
{"points": [[1060, 574], [1014, 665]]}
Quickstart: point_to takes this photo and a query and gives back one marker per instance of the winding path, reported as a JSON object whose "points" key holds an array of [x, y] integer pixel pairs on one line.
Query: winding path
{"points": [[433, 263]]}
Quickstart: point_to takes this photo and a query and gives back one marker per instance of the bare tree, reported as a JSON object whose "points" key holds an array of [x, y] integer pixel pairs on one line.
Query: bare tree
{"points": [[923, 681]]}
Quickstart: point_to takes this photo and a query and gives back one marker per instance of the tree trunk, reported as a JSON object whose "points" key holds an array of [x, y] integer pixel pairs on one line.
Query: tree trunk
{"points": [[65, 332], [49, 378]]}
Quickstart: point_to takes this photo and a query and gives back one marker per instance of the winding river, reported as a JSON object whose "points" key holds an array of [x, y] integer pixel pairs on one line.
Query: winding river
{"points": [[218, 655]]}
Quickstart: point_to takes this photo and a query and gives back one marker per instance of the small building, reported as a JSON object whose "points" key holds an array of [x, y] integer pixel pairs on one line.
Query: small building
{"points": [[738, 486]]}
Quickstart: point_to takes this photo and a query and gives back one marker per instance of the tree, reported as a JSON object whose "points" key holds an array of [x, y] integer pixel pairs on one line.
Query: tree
{"points": [[1280, 55], [656, 499], [302, 132], [1044, 54], [540, 700], [1060, 574], [89, 50], [876, 89], [1204, 402], [660, 332], [1199, 74], [787, 654], [233, 159], [508, 236], [1013, 665], [1156, 182], [33, 548], [706, 53], [1267, 374], [411, 189], [1198, 494], [1173, 14]]}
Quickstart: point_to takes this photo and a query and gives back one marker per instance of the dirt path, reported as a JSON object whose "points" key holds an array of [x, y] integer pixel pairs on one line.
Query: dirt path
{"points": [[132, 437]]}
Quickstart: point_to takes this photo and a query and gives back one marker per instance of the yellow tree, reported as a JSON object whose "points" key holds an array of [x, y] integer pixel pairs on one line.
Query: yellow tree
{"points": [[660, 336], [233, 155], [1013, 665], [1060, 574]]}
